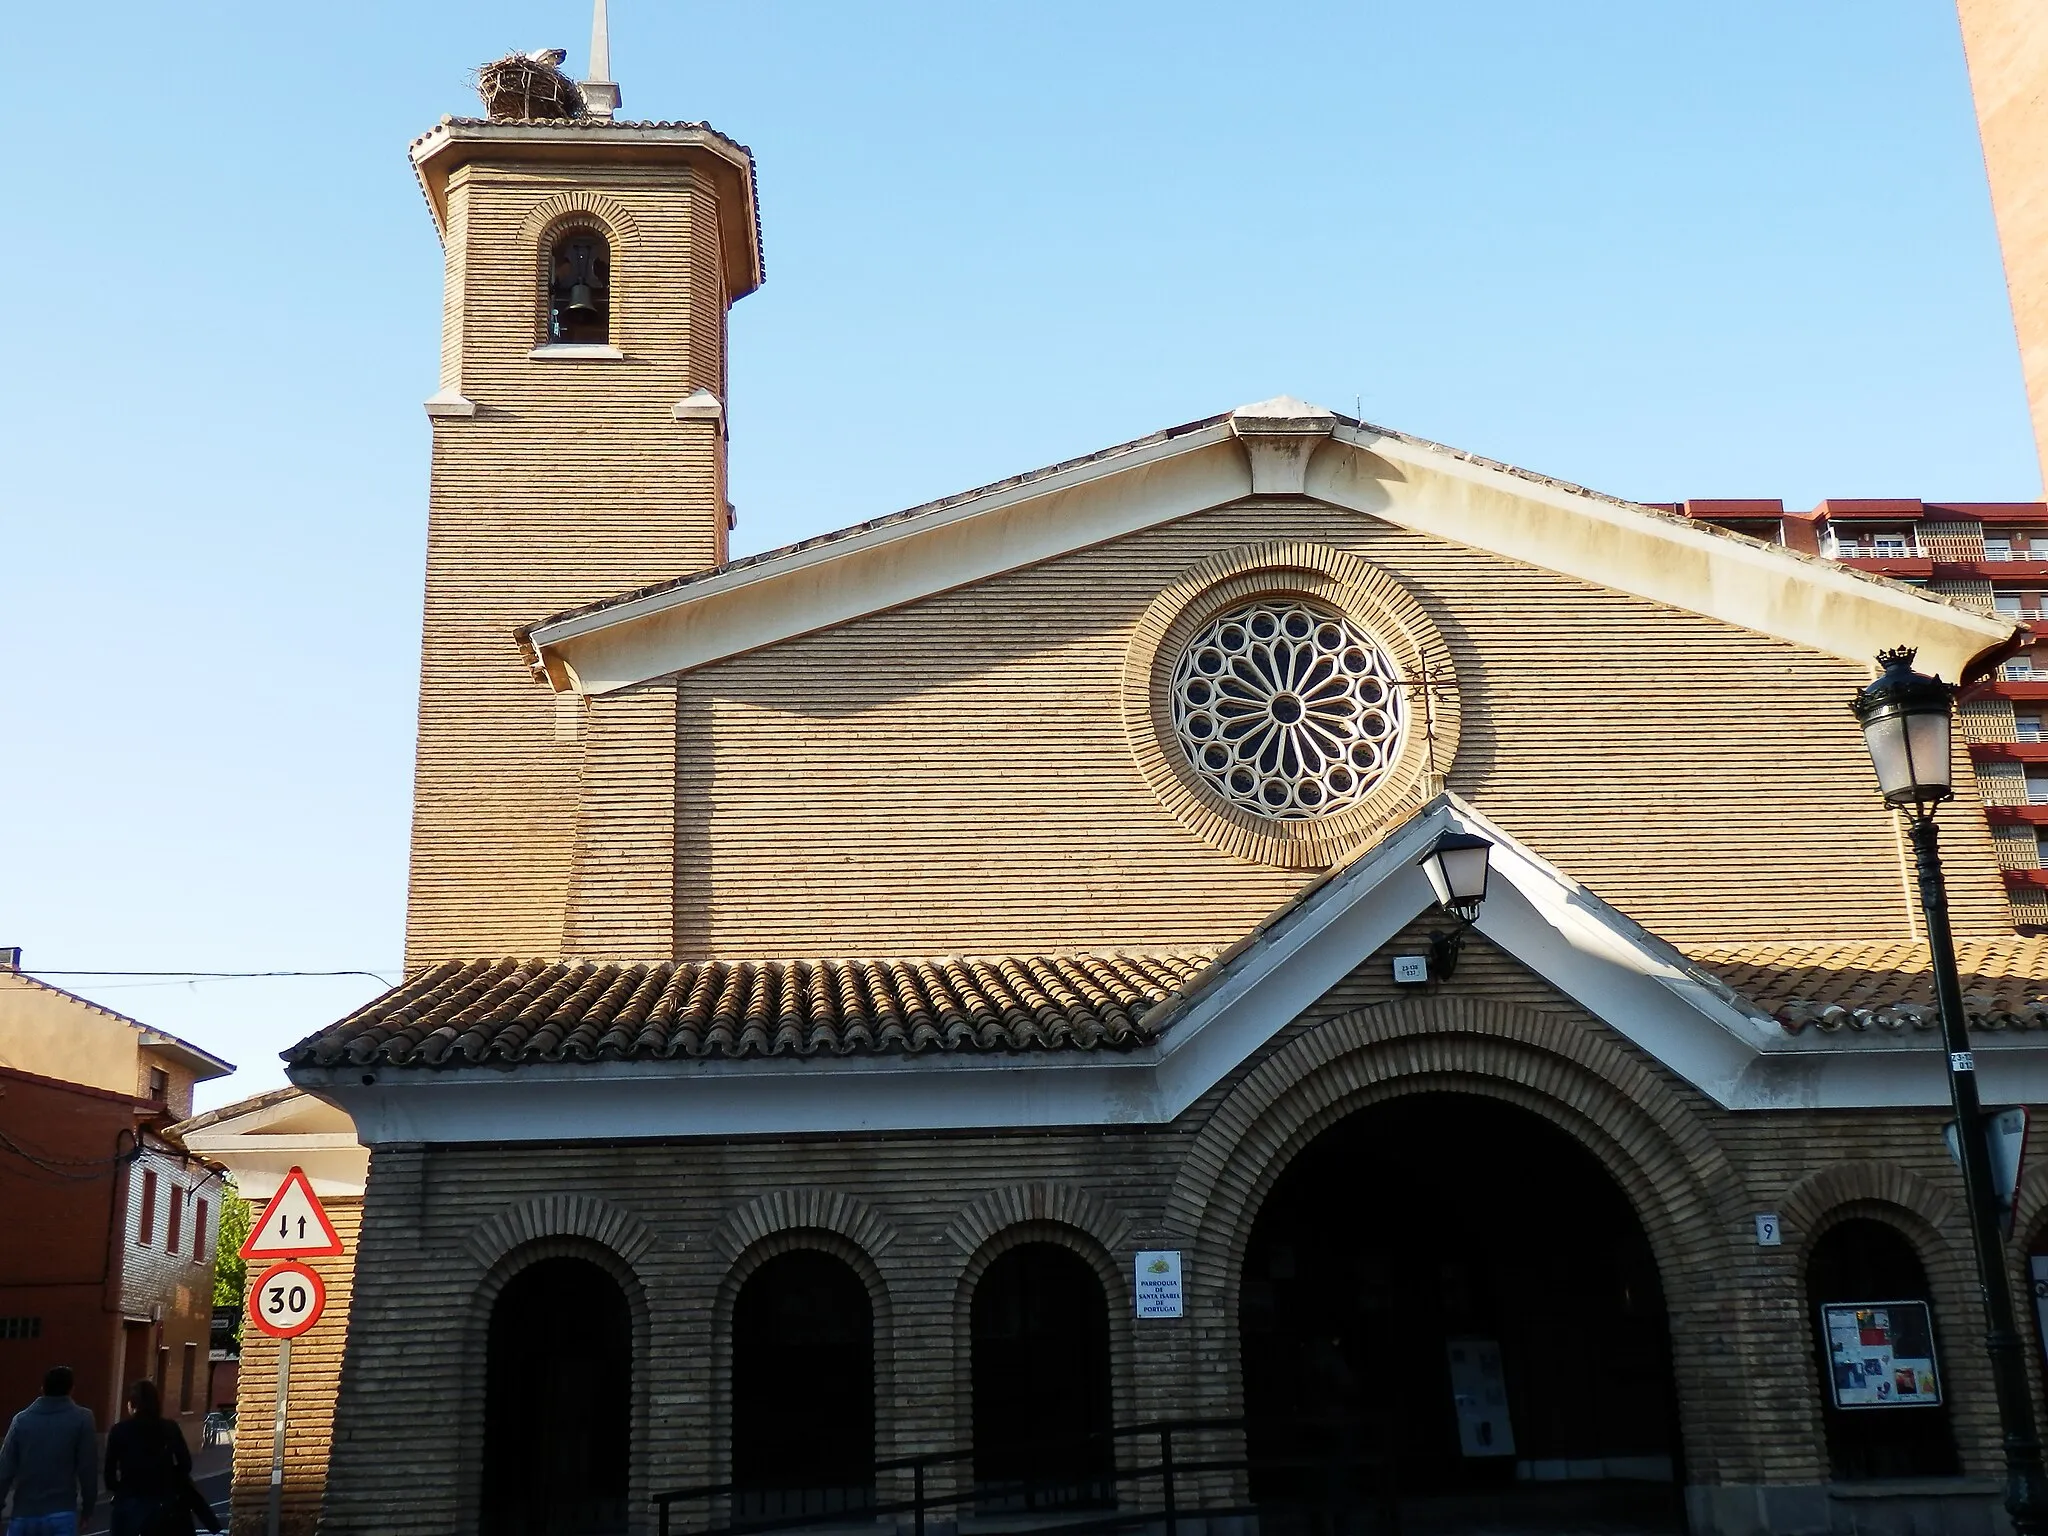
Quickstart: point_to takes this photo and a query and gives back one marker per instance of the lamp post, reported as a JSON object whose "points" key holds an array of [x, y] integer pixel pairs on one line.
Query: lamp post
{"points": [[1906, 718], [1456, 864]]}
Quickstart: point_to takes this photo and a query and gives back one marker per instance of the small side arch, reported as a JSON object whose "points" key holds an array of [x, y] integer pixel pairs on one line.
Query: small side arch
{"points": [[502, 1282], [1814, 1202], [806, 1210], [1063, 1204], [610, 1227], [748, 1262]]}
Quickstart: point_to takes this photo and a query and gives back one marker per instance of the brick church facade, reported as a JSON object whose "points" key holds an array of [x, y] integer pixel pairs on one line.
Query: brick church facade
{"points": [[835, 974]]}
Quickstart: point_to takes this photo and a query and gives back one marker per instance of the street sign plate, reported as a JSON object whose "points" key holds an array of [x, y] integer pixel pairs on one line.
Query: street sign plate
{"points": [[294, 1226], [2005, 1138], [287, 1300]]}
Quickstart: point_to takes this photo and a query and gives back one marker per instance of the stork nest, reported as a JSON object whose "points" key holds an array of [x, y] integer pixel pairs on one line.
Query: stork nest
{"points": [[516, 87]]}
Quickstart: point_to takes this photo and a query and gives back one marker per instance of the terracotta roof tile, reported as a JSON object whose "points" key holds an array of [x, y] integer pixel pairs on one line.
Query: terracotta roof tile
{"points": [[509, 1011], [1885, 985]]}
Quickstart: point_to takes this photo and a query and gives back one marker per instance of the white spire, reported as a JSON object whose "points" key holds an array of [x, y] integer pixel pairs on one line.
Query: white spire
{"points": [[600, 91]]}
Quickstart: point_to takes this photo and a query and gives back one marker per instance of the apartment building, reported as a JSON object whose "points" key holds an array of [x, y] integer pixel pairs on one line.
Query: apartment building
{"points": [[1991, 556], [108, 1220]]}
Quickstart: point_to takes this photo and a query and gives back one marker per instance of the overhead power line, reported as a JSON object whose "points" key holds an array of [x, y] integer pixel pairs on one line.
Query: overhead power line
{"points": [[211, 975]]}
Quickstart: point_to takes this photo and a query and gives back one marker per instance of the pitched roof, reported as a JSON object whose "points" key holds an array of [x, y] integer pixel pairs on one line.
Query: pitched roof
{"points": [[203, 1062], [1405, 480], [504, 1011], [1885, 984], [435, 151]]}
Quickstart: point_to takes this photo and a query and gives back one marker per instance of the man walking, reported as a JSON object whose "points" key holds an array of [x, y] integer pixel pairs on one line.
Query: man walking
{"points": [[49, 1462]]}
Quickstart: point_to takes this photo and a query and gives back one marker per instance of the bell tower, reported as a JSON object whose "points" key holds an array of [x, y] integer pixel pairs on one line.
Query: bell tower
{"points": [[578, 452]]}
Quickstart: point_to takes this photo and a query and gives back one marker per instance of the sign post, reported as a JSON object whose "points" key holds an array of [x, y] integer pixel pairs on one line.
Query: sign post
{"points": [[288, 1297], [284, 1392]]}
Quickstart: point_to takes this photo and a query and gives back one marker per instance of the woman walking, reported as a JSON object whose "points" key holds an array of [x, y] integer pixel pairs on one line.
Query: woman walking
{"points": [[149, 1472]]}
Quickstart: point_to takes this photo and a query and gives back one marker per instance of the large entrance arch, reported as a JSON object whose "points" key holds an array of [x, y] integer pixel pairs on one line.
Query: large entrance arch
{"points": [[558, 1391], [1451, 1288]]}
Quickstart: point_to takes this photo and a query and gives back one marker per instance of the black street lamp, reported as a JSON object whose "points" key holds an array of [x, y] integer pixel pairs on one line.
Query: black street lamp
{"points": [[1906, 718], [1456, 864]]}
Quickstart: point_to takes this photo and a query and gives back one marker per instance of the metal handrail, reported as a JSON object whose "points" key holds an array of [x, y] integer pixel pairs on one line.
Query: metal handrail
{"points": [[1168, 1469]]}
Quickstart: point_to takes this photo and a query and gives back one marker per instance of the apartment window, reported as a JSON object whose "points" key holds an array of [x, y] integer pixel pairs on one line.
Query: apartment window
{"points": [[199, 1253], [21, 1327], [1888, 543], [2026, 727], [1997, 549], [187, 1369], [145, 1224], [2041, 845], [174, 1214], [159, 1085], [2008, 602], [2037, 788]]}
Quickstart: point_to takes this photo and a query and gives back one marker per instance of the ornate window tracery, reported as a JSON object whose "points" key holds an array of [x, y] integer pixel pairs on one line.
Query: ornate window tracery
{"points": [[1366, 667], [1286, 709]]}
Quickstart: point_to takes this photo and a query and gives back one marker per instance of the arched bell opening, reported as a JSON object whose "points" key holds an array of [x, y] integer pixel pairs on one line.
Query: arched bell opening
{"points": [[558, 1390], [803, 1389], [1039, 1335], [580, 288], [1884, 1402], [1448, 1303]]}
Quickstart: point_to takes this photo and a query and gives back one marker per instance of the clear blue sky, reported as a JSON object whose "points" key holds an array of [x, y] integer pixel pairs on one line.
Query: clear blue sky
{"points": [[1732, 250]]}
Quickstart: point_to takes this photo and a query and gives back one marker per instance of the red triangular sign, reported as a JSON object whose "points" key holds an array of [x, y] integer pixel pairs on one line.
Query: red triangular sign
{"points": [[294, 1226]]}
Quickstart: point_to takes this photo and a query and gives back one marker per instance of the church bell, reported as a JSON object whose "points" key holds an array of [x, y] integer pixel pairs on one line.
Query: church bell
{"points": [[582, 303]]}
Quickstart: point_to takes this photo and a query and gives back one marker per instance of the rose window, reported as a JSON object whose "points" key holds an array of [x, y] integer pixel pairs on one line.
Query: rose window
{"points": [[1287, 710]]}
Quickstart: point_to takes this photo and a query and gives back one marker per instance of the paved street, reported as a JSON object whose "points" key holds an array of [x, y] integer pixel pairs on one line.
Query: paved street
{"points": [[212, 1470]]}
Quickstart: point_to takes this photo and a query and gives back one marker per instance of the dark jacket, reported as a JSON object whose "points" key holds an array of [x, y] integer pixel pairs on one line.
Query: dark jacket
{"points": [[47, 1459], [147, 1459]]}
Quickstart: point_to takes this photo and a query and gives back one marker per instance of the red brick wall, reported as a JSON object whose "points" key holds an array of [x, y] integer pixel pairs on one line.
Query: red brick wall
{"points": [[60, 1183]]}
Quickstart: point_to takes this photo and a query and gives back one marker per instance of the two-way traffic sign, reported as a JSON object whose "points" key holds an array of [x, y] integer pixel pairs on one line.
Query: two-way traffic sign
{"points": [[294, 1226]]}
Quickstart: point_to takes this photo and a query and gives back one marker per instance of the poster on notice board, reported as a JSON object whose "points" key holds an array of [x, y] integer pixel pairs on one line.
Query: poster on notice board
{"points": [[1881, 1354]]}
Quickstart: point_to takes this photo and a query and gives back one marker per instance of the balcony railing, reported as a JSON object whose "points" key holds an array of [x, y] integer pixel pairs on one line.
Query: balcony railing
{"points": [[1836, 550], [2019, 613], [2029, 733], [2021, 672], [2014, 554]]}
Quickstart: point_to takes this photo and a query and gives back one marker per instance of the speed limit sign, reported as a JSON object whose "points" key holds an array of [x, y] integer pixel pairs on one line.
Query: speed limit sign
{"points": [[287, 1300]]}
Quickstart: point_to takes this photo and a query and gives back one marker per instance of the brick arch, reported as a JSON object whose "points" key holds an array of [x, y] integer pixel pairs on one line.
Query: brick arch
{"points": [[2030, 1226], [1101, 1258], [550, 213], [1678, 1180], [1044, 1201], [772, 1245], [1910, 1206], [2030, 1212], [1809, 1205], [816, 1210], [548, 220], [613, 1228], [522, 1254]]}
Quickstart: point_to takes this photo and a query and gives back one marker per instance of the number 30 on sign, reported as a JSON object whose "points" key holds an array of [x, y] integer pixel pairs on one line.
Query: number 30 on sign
{"points": [[287, 1300]]}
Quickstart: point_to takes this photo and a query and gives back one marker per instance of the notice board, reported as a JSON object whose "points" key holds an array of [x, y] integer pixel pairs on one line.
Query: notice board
{"points": [[1881, 1354]]}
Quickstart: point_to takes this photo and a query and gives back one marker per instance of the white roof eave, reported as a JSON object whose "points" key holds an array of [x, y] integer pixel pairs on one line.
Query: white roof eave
{"points": [[1504, 511], [1626, 977]]}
